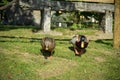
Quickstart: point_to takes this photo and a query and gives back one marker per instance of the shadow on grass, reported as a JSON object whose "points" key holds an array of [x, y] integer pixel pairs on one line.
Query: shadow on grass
{"points": [[12, 27], [105, 41], [20, 39], [27, 38], [47, 54], [71, 48]]}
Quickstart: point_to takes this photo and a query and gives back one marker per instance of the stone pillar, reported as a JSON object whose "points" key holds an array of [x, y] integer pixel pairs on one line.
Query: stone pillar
{"points": [[108, 22], [46, 19]]}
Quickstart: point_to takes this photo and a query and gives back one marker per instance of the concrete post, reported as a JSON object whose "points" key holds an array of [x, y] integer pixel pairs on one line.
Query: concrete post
{"points": [[108, 22], [46, 19]]}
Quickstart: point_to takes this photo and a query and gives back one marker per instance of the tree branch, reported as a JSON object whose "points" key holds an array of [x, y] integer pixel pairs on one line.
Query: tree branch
{"points": [[7, 5]]}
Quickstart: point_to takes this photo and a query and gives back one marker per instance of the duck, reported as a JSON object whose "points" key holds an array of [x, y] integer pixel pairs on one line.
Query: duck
{"points": [[80, 43], [48, 46]]}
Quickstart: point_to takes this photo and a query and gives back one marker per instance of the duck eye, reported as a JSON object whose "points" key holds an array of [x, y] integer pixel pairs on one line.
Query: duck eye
{"points": [[82, 38]]}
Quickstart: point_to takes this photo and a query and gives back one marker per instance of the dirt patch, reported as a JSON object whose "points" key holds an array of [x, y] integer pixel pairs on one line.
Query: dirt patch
{"points": [[55, 67], [100, 35], [46, 68], [99, 59], [53, 33]]}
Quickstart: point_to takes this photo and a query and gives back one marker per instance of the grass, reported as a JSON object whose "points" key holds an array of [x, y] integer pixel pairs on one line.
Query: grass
{"points": [[21, 59]]}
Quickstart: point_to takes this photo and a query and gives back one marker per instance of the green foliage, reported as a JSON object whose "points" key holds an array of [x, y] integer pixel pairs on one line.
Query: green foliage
{"points": [[74, 27], [4, 2], [77, 20]]}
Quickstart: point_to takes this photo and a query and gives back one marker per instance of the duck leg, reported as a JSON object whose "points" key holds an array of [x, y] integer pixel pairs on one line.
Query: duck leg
{"points": [[76, 51], [79, 51]]}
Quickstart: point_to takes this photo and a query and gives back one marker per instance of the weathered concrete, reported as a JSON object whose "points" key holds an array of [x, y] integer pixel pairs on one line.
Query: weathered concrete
{"points": [[48, 6], [70, 6], [102, 1], [108, 22], [46, 19]]}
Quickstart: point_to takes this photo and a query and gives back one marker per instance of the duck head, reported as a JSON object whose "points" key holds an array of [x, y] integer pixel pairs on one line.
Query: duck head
{"points": [[81, 41]]}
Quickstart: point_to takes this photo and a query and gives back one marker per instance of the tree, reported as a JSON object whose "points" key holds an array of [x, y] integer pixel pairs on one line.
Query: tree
{"points": [[6, 3], [116, 42]]}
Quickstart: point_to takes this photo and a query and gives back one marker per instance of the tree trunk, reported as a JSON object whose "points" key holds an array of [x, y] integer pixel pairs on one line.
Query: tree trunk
{"points": [[116, 42]]}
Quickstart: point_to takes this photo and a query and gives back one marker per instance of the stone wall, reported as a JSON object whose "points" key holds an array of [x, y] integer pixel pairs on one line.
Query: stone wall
{"points": [[17, 15]]}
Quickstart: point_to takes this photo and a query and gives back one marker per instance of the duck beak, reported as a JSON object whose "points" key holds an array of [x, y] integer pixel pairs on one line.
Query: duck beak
{"points": [[82, 44], [46, 48]]}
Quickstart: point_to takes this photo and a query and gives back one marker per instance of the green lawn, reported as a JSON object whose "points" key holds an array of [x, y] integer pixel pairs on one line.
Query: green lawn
{"points": [[21, 59]]}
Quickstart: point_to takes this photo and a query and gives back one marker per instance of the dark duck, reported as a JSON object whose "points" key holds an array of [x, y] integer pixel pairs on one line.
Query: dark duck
{"points": [[48, 46], [80, 44]]}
